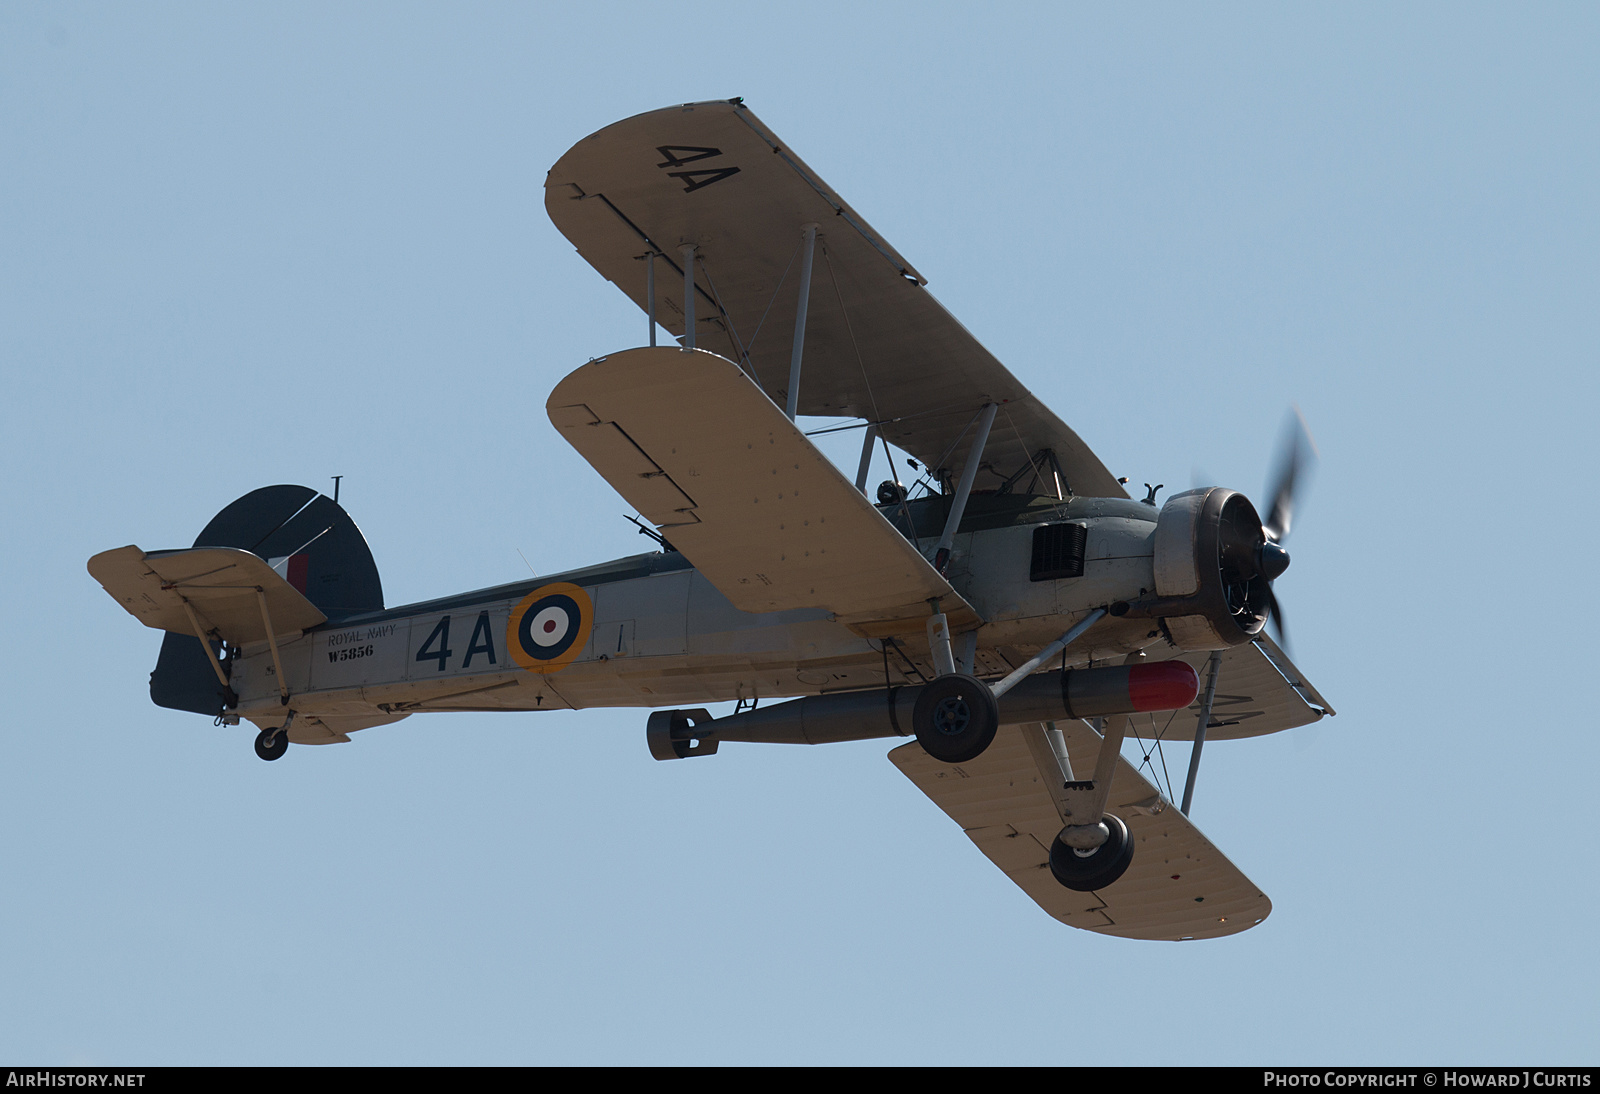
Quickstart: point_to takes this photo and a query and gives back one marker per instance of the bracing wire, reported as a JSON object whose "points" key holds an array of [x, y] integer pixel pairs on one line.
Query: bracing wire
{"points": [[1145, 753], [833, 275], [1161, 753], [1155, 747], [774, 298], [733, 332], [1032, 464]]}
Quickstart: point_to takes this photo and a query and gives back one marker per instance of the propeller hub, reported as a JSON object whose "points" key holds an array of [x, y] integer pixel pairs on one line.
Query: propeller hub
{"points": [[1272, 559]]}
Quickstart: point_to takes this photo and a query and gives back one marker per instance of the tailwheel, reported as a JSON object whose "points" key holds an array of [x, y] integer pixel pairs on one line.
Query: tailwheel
{"points": [[272, 743], [1086, 869], [955, 718]]}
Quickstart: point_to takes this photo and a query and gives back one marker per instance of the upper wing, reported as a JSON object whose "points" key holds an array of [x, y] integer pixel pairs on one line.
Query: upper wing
{"points": [[701, 452], [219, 584], [877, 344], [1179, 886]]}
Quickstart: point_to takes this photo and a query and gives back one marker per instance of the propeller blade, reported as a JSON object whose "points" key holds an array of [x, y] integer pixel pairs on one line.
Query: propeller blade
{"points": [[1275, 619], [1296, 456]]}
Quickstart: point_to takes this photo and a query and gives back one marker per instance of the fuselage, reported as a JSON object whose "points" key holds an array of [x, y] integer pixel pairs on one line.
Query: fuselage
{"points": [[651, 631]]}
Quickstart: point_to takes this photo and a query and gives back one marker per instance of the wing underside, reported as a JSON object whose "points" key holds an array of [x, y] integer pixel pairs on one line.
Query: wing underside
{"points": [[1259, 691], [688, 440], [878, 346], [1178, 887]]}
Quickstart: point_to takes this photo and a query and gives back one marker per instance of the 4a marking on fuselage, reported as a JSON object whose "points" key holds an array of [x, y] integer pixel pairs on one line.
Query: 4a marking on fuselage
{"points": [[481, 645]]}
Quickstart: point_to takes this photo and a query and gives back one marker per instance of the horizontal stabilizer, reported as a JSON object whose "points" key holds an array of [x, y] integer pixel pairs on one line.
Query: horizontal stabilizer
{"points": [[701, 452], [1179, 886], [220, 585]]}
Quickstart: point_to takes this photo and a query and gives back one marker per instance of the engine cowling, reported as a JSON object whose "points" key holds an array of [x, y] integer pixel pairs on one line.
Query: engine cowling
{"points": [[1212, 585]]}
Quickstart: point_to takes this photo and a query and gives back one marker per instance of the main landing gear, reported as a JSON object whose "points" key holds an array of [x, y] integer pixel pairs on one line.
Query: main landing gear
{"points": [[1094, 848], [955, 718], [1086, 869], [272, 743]]}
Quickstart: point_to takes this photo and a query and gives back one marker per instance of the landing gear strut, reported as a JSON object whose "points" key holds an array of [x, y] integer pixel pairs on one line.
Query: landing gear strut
{"points": [[955, 718], [272, 743]]}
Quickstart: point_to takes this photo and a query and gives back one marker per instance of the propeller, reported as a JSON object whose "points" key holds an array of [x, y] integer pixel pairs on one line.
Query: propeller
{"points": [[1251, 551], [1297, 454]]}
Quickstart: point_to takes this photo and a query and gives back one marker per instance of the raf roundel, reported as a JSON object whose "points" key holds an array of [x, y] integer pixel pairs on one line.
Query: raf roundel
{"points": [[549, 627]]}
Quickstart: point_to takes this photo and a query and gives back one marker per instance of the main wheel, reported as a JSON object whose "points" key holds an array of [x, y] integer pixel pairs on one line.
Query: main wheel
{"points": [[272, 743], [1086, 871], [955, 718]]}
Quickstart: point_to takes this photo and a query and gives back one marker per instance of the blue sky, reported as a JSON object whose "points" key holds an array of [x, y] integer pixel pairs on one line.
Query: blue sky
{"points": [[249, 244]]}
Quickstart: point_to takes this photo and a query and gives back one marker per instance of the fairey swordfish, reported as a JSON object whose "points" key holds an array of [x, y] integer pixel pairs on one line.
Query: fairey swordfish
{"points": [[1015, 611]]}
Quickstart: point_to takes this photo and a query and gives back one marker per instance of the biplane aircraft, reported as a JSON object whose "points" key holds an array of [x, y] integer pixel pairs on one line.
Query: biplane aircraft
{"points": [[1015, 611]]}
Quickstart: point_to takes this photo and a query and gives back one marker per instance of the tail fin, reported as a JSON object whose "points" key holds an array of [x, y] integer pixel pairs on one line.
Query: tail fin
{"points": [[306, 537]]}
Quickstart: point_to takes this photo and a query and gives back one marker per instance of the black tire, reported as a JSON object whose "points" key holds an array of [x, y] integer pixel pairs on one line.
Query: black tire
{"points": [[1085, 873], [279, 745], [955, 718]]}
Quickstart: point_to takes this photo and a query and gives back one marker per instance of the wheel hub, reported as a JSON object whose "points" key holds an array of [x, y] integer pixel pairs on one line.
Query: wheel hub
{"points": [[952, 716]]}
